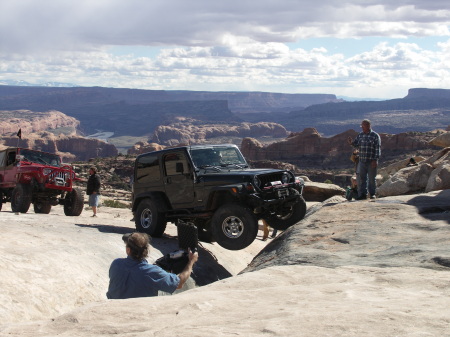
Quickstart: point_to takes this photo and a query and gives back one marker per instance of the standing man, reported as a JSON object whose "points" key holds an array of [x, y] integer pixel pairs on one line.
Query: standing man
{"points": [[93, 189], [133, 276], [369, 144]]}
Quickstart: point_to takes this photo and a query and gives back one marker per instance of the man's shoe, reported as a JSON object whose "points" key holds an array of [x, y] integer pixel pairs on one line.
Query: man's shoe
{"points": [[363, 197], [373, 197]]}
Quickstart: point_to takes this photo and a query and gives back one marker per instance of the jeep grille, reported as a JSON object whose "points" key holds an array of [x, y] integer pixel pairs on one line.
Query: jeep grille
{"points": [[267, 179], [58, 177]]}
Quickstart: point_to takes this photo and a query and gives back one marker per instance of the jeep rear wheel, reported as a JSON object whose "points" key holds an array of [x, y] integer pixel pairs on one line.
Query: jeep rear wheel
{"points": [[149, 220], [73, 202], [21, 198], [1, 200], [288, 216], [42, 207], [234, 227]]}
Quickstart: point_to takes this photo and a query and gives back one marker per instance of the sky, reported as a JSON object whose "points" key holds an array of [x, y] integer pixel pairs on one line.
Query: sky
{"points": [[360, 49]]}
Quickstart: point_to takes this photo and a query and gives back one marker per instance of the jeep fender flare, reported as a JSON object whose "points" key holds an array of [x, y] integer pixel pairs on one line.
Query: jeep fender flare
{"points": [[158, 198], [224, 194]]}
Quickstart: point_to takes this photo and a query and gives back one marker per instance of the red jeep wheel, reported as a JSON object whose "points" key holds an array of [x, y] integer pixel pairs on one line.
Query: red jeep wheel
{"points": [[21, 198], [73, 202]]}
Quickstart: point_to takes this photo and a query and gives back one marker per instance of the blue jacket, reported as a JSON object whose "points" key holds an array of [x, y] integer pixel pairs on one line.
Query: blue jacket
{"points": [[131, 278]]}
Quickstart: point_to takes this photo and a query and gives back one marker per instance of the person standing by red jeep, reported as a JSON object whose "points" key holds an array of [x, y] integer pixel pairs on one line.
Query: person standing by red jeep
{"points": [[93, 189]]}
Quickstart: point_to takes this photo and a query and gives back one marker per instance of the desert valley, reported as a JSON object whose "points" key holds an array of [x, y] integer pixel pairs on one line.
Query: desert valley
{"points": [[349, 268]]}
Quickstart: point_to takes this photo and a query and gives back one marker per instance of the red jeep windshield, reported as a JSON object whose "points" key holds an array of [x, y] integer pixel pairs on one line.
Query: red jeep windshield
{"points": [[40, 157]]}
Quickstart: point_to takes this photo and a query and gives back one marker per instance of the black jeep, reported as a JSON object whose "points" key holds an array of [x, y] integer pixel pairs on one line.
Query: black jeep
{"points": [[212, 187]]}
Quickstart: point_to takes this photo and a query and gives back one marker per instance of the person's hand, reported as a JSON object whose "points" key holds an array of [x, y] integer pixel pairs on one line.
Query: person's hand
{"points": [[374, 163], [193, 256]]}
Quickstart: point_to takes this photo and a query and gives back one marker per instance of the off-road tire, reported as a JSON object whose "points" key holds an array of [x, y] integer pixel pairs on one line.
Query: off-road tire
{"points": [[21, 198], [290, 216], [73, 202], [1, 200], [234, 227], [42, 207], [149, 220]]}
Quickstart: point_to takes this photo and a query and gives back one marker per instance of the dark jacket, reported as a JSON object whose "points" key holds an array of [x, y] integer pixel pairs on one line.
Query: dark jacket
{"points": [[93, 184]]}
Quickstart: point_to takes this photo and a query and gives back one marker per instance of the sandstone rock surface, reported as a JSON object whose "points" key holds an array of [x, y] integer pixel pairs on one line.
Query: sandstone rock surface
{"points": [[358, 268], [314, 191], [441, 140]]}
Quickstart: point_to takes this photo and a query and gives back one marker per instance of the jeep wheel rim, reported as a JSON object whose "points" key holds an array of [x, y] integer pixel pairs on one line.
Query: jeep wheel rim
{"points": [[146, 218], [286, 213], [232, 227]]}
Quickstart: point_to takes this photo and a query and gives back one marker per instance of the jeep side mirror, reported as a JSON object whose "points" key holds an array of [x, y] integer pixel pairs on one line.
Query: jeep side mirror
{"points": [[179, 168]]}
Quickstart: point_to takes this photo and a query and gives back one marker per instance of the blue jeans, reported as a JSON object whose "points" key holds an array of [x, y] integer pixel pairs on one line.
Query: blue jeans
{"points": [[366, 177]]}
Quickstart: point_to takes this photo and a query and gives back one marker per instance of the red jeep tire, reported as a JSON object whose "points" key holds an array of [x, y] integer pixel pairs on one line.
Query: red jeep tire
{"points": [[21, 198], [42, 207], [74, 202]]}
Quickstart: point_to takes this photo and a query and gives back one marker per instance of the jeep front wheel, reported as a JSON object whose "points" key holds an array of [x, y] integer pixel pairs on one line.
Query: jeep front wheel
{"points": [[234, 227], [42, 207], [288, 216], [149, 220], [73, 202], [21, 198]]}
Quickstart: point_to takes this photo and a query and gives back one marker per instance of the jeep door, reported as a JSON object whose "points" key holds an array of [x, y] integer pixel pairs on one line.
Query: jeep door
{"points": [[178, 178], [8, 169]]}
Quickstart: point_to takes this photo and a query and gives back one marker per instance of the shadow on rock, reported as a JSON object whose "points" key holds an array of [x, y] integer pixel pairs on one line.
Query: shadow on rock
{"points": [[433, 207], [207, 270]]}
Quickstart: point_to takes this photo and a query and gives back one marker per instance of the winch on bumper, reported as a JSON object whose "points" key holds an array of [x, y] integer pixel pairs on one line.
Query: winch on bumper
{"points": [[274, 197]]}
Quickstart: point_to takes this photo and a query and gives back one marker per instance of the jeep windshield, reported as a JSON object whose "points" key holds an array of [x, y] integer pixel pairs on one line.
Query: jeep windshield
{"points": [[216, 157], [38, 157]]}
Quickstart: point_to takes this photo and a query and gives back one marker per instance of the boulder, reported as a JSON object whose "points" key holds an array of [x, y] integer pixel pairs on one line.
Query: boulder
{"points": [[439, 178], [407, 180], [439, 157], [321, 191], [395, 167], [441, 140]]}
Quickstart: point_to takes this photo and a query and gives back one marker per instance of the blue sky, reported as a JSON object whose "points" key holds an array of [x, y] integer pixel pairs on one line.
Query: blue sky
{"points": [[376, 49]]}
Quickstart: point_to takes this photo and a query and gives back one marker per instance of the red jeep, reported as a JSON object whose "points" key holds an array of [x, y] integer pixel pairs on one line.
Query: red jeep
{"points": [[39, 178]]}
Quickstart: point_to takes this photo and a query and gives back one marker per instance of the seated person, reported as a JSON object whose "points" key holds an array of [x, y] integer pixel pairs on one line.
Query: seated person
{"points": [[133, 276]]}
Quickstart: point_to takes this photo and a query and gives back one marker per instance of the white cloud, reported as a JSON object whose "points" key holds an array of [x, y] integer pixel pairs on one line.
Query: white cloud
{"points": [[73, 24], [224, 45]]}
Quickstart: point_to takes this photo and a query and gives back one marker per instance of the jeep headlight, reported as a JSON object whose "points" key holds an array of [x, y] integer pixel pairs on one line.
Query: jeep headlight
{"points": [[284, 178], [300, 180], [256, 182], [47, 171]]}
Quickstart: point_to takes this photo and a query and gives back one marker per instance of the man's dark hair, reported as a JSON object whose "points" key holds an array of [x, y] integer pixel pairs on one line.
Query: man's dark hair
{"points": [[138, 244]]}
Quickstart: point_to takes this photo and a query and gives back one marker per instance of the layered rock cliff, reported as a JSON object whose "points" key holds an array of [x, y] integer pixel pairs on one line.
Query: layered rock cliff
{"points": [[191, 131], [34, 121], [308, 148], [70, 148]]}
